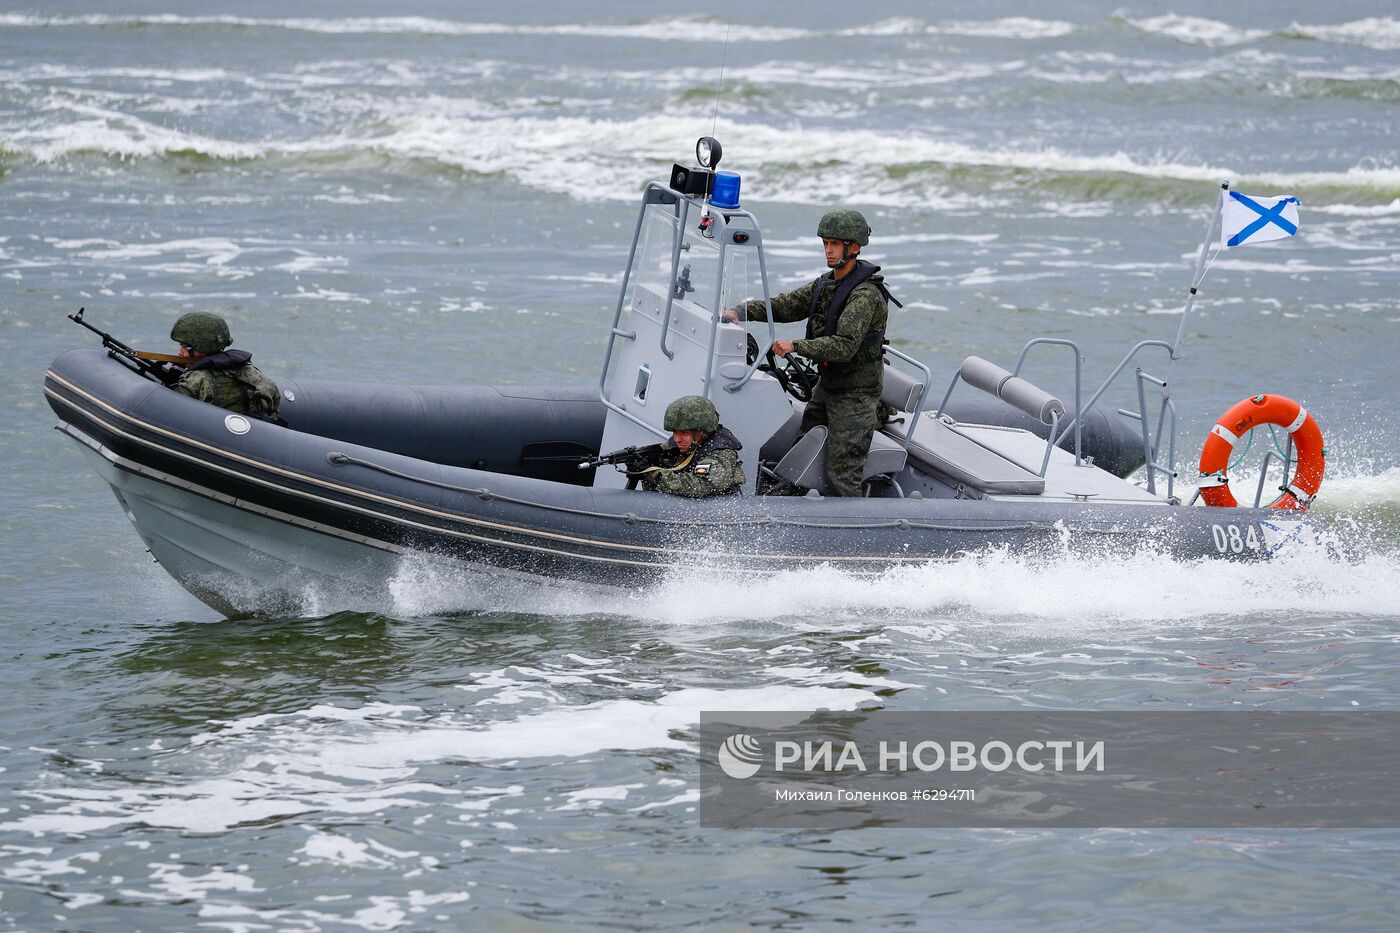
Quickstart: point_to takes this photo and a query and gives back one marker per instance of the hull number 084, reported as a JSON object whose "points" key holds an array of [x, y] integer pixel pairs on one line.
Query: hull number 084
{"points": [[1229, 539]]}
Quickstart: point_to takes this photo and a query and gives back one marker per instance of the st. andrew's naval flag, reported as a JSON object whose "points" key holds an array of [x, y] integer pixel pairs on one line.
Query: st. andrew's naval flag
{"points": [[1247, 219]]}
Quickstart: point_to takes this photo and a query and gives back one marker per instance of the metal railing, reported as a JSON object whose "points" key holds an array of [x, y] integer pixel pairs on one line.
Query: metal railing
{"points": [[736, 228], [1078, 372], [1151, 444], [923, 394], [1150, 447]]}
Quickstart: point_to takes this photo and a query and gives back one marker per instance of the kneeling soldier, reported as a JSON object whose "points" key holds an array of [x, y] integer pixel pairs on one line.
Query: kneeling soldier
{"points": [[702, 457], [218, 375]]}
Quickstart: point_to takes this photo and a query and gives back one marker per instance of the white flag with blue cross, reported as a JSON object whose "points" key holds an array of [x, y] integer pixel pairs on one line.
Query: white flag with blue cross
{"points": [[1247, 219]]}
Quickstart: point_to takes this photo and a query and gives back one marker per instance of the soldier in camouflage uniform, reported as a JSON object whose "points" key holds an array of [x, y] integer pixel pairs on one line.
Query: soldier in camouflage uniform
{"points": [[702, 458], [220, 376], [846, 313]]}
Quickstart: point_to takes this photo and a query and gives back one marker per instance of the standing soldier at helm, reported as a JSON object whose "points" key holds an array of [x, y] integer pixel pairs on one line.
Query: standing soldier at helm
{"points": [[846, 313], [218, 375], [702, 457]]}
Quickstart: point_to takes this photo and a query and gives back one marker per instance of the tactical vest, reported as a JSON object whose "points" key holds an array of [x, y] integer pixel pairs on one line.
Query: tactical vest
{"points": [[872, 347], [259, 394], [723, 439]]}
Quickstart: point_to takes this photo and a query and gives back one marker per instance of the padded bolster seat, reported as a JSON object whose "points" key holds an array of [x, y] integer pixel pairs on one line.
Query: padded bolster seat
{"points": [[938, 447], [805, 463], [900, 390], [1013, 390]]}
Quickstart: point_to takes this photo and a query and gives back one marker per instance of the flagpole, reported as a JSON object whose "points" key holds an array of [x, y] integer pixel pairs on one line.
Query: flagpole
{"points": [[1195, 284]]}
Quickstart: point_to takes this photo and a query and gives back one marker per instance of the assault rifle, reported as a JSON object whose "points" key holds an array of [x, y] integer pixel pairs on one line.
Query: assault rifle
{"points": [[632, 459], [162, 367]]}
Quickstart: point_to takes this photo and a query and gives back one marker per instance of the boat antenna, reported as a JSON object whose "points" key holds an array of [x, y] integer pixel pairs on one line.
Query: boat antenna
{"points": [[723, 60]]}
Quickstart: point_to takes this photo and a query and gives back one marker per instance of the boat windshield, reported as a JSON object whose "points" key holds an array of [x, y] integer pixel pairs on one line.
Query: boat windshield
{"points": [[698, 275]]}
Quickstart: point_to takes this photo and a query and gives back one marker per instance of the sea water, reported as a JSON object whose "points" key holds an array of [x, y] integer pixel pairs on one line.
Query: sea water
{"points": [[429, 192]]}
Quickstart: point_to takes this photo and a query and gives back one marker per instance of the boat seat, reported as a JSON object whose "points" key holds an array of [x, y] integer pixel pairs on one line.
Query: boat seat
{"points": [[938, 447], [900, 391], [805, 464]]}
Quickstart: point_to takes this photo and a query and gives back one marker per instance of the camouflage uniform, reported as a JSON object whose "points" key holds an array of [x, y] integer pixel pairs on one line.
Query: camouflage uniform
{"points": [[710, 468], [714, 470], [851, 363], [229, 380], [223, 377]]}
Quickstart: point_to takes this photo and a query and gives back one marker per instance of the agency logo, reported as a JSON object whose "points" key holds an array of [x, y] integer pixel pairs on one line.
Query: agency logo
{"points": [[740, 756]]}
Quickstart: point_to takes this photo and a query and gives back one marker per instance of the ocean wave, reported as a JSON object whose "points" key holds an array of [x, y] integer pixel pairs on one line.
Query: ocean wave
{"points": [[687, 29], [1378, 32], [754, 85], [873, 166], [1010, 27], [684, 28], [1339, 85], [761, 78], [1359, 210], [1197, 30]]}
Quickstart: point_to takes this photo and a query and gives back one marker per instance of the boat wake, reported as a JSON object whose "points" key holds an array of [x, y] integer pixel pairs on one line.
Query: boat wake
{"points": [[1346, 563]]}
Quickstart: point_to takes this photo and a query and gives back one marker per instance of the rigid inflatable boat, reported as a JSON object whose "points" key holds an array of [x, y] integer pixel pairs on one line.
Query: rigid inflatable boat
{"points": [[499, 478]]}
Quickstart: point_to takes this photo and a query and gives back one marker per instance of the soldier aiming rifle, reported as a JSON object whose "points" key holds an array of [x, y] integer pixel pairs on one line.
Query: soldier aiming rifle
{"points": [[700, 460]]}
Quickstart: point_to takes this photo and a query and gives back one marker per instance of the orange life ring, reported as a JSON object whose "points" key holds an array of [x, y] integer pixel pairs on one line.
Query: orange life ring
{"points": [[1238, 421]]}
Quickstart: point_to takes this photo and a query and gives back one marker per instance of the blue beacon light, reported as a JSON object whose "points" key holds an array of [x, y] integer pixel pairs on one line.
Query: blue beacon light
{"points": [[725, 194]]}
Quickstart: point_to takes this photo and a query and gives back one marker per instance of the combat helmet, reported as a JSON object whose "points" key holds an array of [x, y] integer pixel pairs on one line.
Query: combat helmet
{"points": [[845, 225], [202, 331], [692, 413]]}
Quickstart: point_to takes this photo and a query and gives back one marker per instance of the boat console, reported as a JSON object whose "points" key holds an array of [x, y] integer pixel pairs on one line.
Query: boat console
{"points": [[696, 252]]}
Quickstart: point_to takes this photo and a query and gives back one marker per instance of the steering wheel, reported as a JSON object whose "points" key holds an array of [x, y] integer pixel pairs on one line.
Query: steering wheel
{"points": [[795, 375]]}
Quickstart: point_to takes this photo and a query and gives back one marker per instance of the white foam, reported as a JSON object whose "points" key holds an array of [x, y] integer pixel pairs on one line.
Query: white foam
{"points": [[100, 130], [1284, 267], [1360, 494], [573, 731], [357, 761], [1358, 210], [591, 797], [662, 29], [690, 796], [894, 26], [384, 913], [328, 847], [48, 71], [1377, 32], [1011, 27], [530, 149], [39, 871], [308, 262], [687, 29], [1198, 30], [213, 251], [177, 886], [1057, 591]]}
